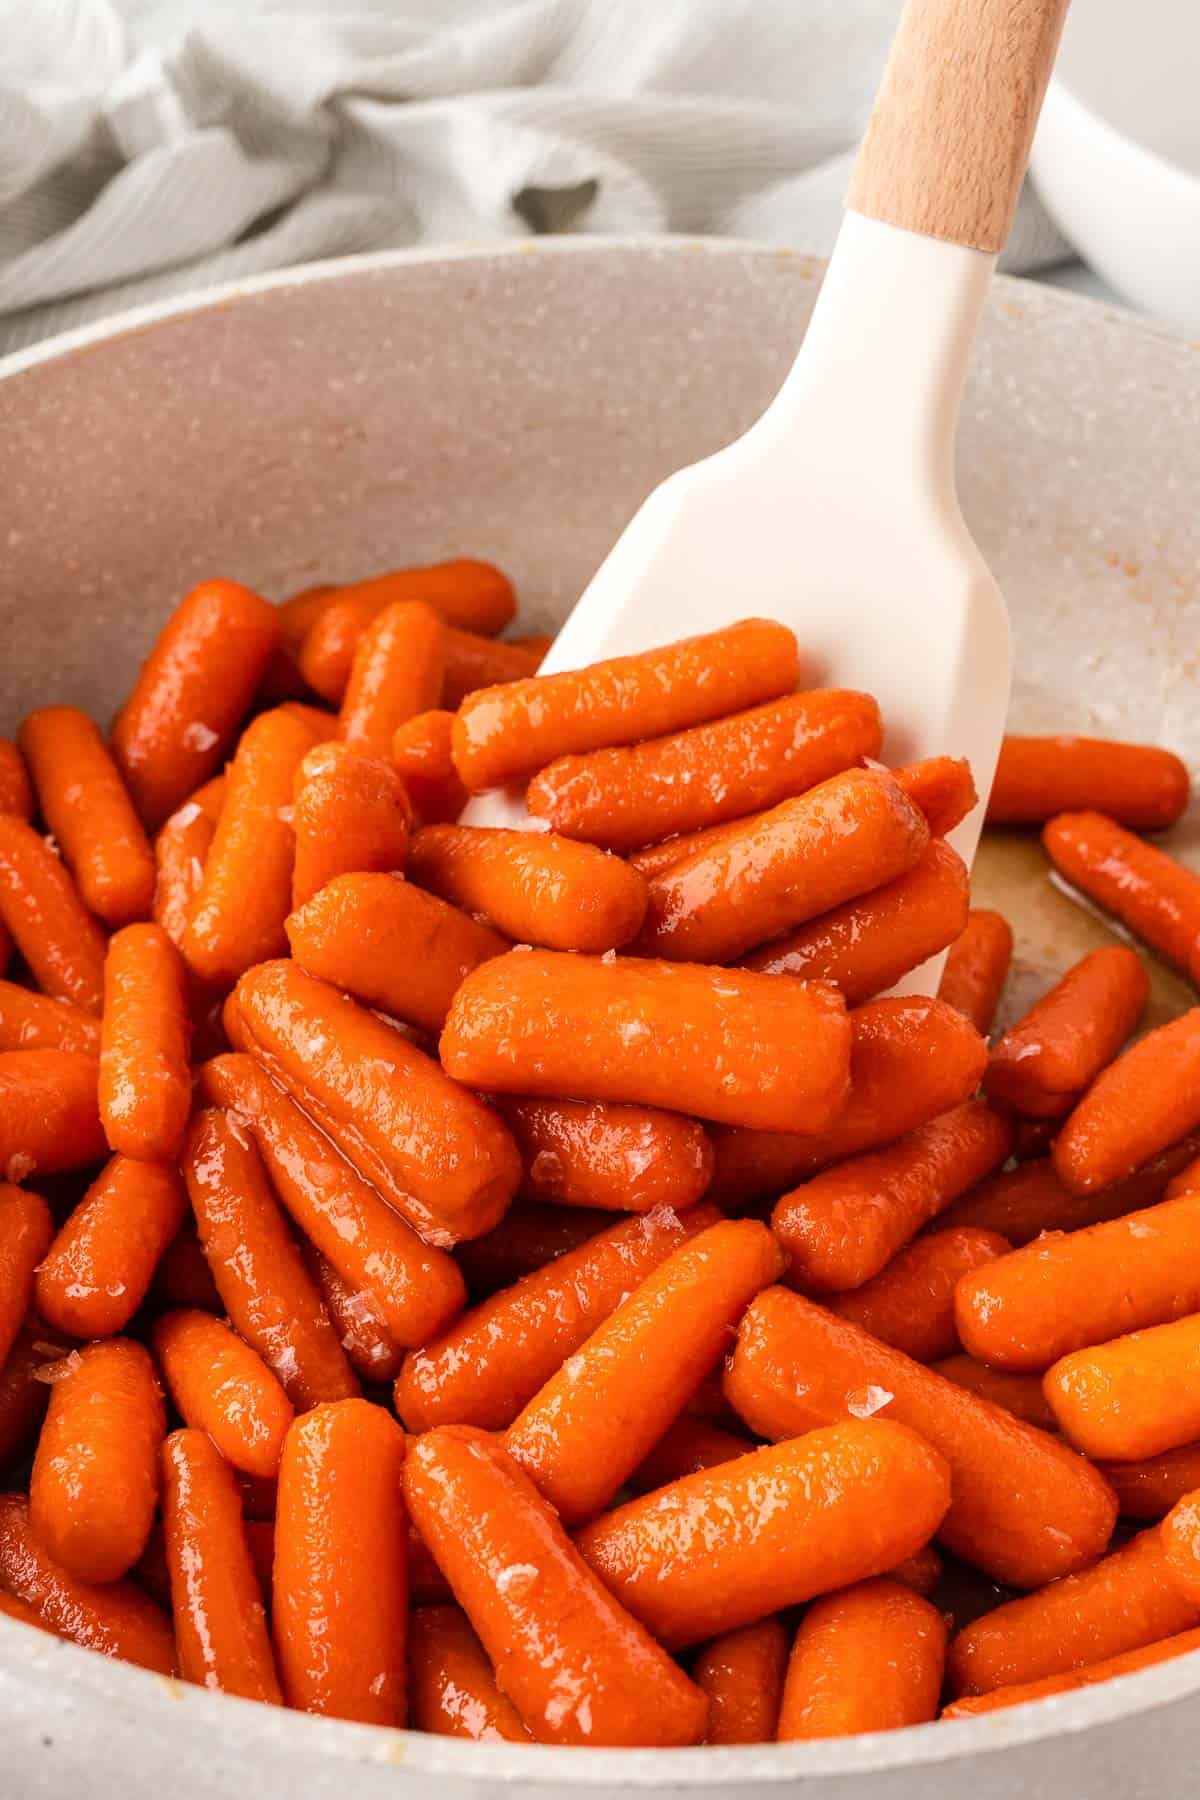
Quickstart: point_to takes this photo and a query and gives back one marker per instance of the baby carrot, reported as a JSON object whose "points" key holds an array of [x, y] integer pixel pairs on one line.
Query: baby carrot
{"points": [[220, 1624], [30, 1021], [1180, 1537], [735, 1543], [452, 1690], [1139, 785], [1185, 1181], [656, 857], [922, 1571], [49, 1118], [496, 1357], [26, 1229], [540, 643], [351, 813], [396, 673], [748, 1049], [145, 1039], [417, 1288], [1015, 1392], [99, 1268], [180, 854], [576, 1666], [269, 1295], [474, 662], [503, 733], [341, 1570], [742, 1673], [535, 887], [844, 1226], [526, 1239], [853, 833], [942, 786], [358, 1319], [1128, 1664], [868, 1659], [468, 661], [117, 1619], [1151, 1486], [1155, 896], [221, 1387], [327, 649], [1023, 1202], [474, 595], [587, 1429], [977, 967], [637, 794], [41, 907], [16, 789], [421, 756], [94, 1487], [1045, 1061], [24, 1396], [910, 1303], [191, 695], [434, 1151], [322, 725], [867, 944], [1146, 1100], [1133, 1397], [685, 1447], [1026, 1509], [616, 1158]]}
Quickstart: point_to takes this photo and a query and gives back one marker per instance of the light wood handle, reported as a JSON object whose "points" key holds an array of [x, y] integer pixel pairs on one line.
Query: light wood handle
{"points": [[946, 147]]}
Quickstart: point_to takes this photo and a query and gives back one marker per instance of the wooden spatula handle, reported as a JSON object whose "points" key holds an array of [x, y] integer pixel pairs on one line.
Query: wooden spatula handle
{"points": [[946, 147]]}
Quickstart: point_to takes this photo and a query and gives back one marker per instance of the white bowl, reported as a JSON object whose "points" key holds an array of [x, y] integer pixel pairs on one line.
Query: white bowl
{"points": [[518, 404], [1117, 154]]}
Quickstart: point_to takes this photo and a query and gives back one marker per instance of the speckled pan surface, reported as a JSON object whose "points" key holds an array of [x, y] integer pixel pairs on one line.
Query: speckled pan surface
{"points": [[518, 404]]}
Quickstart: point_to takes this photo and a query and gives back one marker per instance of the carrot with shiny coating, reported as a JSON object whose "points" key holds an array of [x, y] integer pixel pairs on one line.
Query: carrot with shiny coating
{"points": [[868, 1659], [1128, 1664], [26, 1229], [358, 1319], [16, 789], [1022, 1203], [351, 813], [742, 1673], [145, 1087], [977, 967], [1015, 1392], [1142, 1103], [423, 758], [48, 922], [910, 1303], [180, 854], [396, 674], [686, 1446], [1148, 890], [49, 1114], [1133, 1397], [30, 1021], [942, 786], [474, 662], [474, 595], [222, 1387], [1138, 785], [1045, 1061], [452, 1690], [99, 1268], [24, 1395], [1149, 1487], [617, 1158]]}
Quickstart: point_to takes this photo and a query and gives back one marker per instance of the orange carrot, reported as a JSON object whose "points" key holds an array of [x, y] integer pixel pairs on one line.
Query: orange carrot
{"points": [[351, 812], [868, 1659], [687, 1446], [423, 759], [473, 595], [655, 858], [1134, 1396], [396, 674], [41, 908], [468, 661], [16, 789], [1185, 1181], [742, 1673], [1137, 784], [326, 653], [474, 662], [99, 1268], [942, 786], [527, 1237], [26, 1229], [145, 1073], [452, 1691], [1023, 1202], [30, 1021], [616, 1158], [1128, 1664], [1155, 896], [1179, 1534], [910, 1303], [922, 1571], [180, 855], [23, 1395], [1045, 1061], [1151, 1486], [49, 1118], [358, 1319], [1146, 1100], [977, 967], [1016, 1393], [222, 1387]]}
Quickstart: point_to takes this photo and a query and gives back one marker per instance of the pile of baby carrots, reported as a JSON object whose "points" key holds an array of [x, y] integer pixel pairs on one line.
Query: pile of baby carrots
{"points": [[530, 1285]]}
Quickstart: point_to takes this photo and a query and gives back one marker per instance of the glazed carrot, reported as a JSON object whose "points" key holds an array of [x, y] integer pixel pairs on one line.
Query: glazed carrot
{"points": [[656, 857], [473, 595], [866, 945], [577, 1668], [1128, 1664], [23, 1395], [42, 910], [341, 1589], [1026, 1509], [222, 1387], [326, 653], [504, 733], [942, 786], [496, 1357], [16, 789], [116, 1619], [1016, 1393], [1139, 785], [26, 1229], [94, 1487], [85, 804], [238, 912], [180, 854], [322, 725], [351, 812], [977, 967], [220, 1624], [99, 1268], [685, 1447], [922, 1571], [587, 1429], [616, 1158], [1146, 1100], [358, 1319], [49, 1118], [842, 1227], [1180, 1537], [452, 1691], [268, 1293], [417, 1288], [1150, 1487], [733, 1544], [853, 833], [742, 1673], [527, 1237], [638, 794], [748, 1049], [192, 693], [474, 662], [1124, 1601], [1155, 896], [910, 1303], [435, 1152], [30, 1021], [396, 674], [421, 756], [1023, 1202], [145, 1039], [1185, 1181], [183, 1277], [1133, 1397], [867, 1659], [1045, 1061], [468, 660]]}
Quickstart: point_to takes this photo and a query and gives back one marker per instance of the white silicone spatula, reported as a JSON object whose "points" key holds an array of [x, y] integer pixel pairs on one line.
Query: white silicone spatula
{"points": [[837, 513]]}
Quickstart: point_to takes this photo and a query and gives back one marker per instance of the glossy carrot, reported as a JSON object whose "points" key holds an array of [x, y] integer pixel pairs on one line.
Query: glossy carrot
{"points": [[834, 843], [30, 1021], [98, 1269], [1128, 1664], [434, 1151], [749, 1049], [1023, 1202], [495, 1359], [49, 1116], [616, 1158], [735, 1543], [145, 1088], [183, 1277], [180, 855], [922, 1571], [341, 1589], [351, 812], [269, 1295], [474, 595], [1045, 1061], [742, 1673], [977, 967], [26, 1229], [396, 674], [1151, 1486], [94, 1487], [1179, 1534], [469, 661], [504, 733], [1133, 1397], [193, 691], [474, 662], [576, 1666], [222, 1387], [1139, 785], [41, 908], [655, 858], [1016, 1393], [1026, 1509], [220, 1625], [942, 786], [685, 1447], [322, 724], [867, 944], [417, 1288], [357, 1316], [527, 1237], [868, 1659], [16, 789], [23, 1395], [326, 653], [452, 1690], [1148, 890], [910, 1303], [1146, 1100], [423, 758]]}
